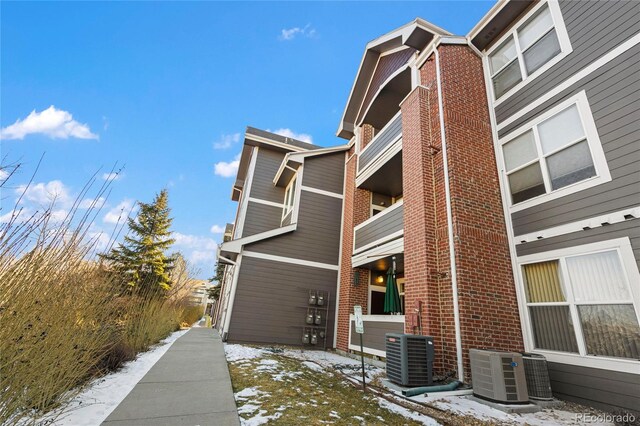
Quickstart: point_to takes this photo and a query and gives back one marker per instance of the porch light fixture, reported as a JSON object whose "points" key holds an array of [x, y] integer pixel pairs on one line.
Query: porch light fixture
{"points": [[380, 279]]}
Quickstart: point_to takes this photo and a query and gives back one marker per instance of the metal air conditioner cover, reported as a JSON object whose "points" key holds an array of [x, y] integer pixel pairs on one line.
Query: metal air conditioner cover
{"points": [[409, 359], [498, 376]]}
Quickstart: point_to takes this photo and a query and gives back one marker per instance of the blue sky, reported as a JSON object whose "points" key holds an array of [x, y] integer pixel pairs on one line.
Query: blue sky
{"points": [[167, 88]]}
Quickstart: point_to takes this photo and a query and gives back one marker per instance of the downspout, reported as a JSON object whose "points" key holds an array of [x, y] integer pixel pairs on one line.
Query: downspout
{"points": [[452, 253]]}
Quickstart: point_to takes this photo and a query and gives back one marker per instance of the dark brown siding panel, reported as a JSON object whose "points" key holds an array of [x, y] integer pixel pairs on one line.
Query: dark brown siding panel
{"points": [[382, 140], [324, 172], [317, 235], [267, 165], [617, 120], [594, 387], [272, 299], [261, 218], [629, 228], [380, 227], [374, 333], [594, 29]]}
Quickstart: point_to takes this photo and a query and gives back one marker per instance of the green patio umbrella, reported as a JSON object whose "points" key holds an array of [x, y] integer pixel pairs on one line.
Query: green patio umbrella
{"points": [[392, 303]]}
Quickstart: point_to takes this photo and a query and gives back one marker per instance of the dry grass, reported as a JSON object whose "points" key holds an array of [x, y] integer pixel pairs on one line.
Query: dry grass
{"points": [[64, 318]]}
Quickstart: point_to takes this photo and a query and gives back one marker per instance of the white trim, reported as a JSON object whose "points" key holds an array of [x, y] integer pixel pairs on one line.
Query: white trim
{"points": [[595, 147], [627, 259], [291, 260], [291, 191], [377, 93], [377, 253], [246, 192], [452, 253], [321, 192], [296, 200], [378, 242], [505, 194], [342, 206], [262, 139], [563, 40], [495, 9], [379, 215], [381, 132], [567, 228], [235, 246], [232, 295], [610, 56], [266, 202], [380, 160]]}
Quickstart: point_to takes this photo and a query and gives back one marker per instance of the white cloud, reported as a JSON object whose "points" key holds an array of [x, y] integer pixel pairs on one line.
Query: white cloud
{"points": [[198, 256], [119, 213], [229, 169], [21, 215], [58, 215], [45, 193], [217, 229], [194, 242], [288, 133], [226, 141], [4, 174], [52, 122], [112, 176], [92, 203], [291, 33]]}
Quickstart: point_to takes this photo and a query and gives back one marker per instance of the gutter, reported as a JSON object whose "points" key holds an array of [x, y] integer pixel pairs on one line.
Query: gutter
{"points": [[452, 253]]}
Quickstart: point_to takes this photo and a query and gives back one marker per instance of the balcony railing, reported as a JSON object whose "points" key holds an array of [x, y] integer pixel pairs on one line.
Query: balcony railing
{"points": [[380, 143], [375, 329], [379, 229]]}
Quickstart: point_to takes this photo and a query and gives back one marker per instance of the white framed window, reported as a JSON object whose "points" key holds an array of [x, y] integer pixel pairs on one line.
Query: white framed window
{"points": [[529, 49], [289, 197], [556, 154], [583, 302]]}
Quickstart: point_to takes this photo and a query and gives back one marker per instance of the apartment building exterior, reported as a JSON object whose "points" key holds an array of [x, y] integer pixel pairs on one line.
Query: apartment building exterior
{"points": [[498, 173]]}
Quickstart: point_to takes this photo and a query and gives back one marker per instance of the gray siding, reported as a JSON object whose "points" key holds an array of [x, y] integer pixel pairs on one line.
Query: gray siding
{"points": [[317, 236], [382, 141], [261, 218], [614, 97], [374, 333], [272, 299], [594, 387], [629, 228], [267, 165], [287, 219], [325, 172], [594, 28], [380, 227]]}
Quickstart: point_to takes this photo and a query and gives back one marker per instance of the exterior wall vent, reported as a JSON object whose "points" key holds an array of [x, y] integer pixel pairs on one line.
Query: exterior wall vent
{"points": [[409, 359], [498, 376]]}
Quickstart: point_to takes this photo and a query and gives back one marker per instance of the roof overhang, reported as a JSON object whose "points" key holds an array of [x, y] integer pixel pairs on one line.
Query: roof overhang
{"points": [[260, 138], [232, 248], [498, 19], [293, 160], [417, 34]]}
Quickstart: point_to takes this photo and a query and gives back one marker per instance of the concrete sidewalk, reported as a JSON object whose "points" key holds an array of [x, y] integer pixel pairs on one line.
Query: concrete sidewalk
{"points": [[189, 385]]}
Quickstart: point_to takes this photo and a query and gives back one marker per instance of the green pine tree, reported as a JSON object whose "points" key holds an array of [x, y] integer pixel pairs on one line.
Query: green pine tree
{"points": [[141, 259]]}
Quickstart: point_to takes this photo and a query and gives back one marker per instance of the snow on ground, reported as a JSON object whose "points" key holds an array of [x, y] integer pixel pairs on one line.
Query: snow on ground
{"points": [[102, 396], [330, 361]]}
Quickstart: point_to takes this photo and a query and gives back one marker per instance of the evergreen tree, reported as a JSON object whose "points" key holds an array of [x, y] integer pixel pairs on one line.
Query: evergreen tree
{"points": [[141, 259]]}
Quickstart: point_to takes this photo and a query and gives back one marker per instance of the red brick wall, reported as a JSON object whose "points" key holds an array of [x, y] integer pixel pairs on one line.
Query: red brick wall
{"points": [[356, 208], [486, 291]]}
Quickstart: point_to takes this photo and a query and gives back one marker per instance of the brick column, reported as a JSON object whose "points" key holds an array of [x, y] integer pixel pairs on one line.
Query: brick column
{"points": [[356, 206]]}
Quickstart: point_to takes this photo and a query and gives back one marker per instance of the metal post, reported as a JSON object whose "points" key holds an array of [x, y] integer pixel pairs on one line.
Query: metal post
{"points": [[364, 383]]}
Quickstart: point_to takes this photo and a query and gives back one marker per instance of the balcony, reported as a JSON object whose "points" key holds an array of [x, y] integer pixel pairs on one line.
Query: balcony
{"points": [[383, 147], [380, 229], [375, 329]]}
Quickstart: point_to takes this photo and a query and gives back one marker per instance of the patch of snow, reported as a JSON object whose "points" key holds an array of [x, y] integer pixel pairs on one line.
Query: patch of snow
{"points": [[247, 393], [312, 365], [260, 418], [239, 352], [358, 418], [93, 405], [425, 420], [248, 408], [334, 414]]}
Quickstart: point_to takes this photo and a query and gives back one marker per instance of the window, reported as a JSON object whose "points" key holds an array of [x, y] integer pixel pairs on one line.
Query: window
{"points": [[555, 152], [289, 197], [583, 304], [527, 49]]}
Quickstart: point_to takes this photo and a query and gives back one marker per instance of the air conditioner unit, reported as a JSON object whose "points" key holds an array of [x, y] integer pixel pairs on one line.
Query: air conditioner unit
{"points": [[498, 376], [537, 374], [409, 359]]}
